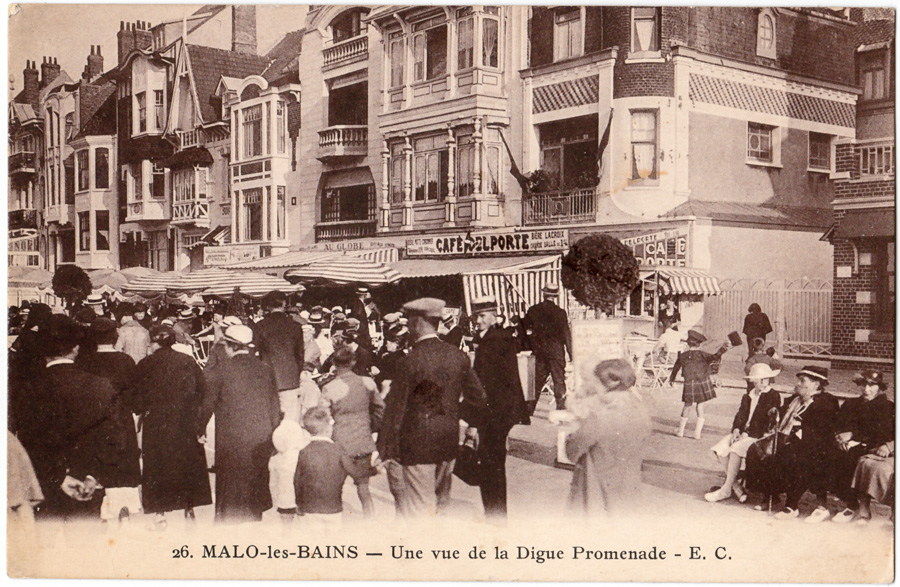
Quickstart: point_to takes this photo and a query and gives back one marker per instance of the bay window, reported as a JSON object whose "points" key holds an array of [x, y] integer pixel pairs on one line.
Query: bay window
{"points": [[84, 231], [253, 129], [142, 111], [430, 49], [490, 42], [158, 186], [466, 43], [396, 172], [160, 109], [465, 167], [252, 214], [280, 127], [84, 172], [397, 58], [101, 169], [102, 236], [430, 163]]}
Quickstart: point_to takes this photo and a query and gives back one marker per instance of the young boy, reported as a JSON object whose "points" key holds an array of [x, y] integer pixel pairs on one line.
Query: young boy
{"points": [[289, 439], [319, 478]]}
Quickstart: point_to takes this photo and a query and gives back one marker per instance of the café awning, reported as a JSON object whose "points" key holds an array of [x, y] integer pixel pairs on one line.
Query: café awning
{"points": [[866, 223], [681, 280], [344, 269], [439, 267], [300, 258]]}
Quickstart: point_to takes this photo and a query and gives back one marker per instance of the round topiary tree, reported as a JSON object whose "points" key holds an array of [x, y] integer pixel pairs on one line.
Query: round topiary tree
{"points": [[600, 271], [72, 284]]}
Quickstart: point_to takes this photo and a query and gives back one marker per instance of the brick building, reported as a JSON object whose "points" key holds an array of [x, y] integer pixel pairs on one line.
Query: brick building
{"points": [[864, 229]]}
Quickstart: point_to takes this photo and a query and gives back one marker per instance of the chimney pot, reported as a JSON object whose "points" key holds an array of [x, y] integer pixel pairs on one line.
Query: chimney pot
{"points": [[121, 25]]}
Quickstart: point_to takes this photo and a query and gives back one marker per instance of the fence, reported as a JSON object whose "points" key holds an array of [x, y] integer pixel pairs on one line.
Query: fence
{"points": [[799, 309]]}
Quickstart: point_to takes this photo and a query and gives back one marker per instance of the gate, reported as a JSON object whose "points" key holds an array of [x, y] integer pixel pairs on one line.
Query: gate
{"points": [[799, 309]]}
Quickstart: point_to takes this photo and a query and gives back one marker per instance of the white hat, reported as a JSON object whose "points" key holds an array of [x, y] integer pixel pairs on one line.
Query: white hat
{"points": [[231, 321], [762, 371], [94, 300], [239, 334]]}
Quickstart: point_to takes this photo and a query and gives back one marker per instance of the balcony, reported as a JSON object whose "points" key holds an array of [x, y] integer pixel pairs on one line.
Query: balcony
{"points": [[189, 138], [148, 209], [22, 219], [560, 207], [337, 142], [349, 51], [345, 229], [59, 214], [191, 212], [22, 162]]}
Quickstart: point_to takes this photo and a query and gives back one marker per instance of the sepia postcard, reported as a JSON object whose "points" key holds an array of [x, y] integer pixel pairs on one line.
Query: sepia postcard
{"points": [[451, 293]]}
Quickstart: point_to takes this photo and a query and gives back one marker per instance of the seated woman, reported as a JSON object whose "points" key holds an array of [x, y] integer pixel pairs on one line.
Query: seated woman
{"points": [[865, 426], [874, 479], [750, 424]]}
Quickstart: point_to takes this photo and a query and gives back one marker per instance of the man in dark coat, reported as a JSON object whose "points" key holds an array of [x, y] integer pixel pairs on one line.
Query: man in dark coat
{"points": [[243, 394], [360, 309], [497, 367], [279, 341], [67, 429], [547, 326], [423, 413]]}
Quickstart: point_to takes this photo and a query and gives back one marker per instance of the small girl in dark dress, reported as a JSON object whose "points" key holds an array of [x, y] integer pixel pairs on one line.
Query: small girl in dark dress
{"points": [[698, 388]]}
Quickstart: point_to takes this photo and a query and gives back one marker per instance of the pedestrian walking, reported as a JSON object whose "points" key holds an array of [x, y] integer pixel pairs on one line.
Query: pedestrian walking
{"points": [[497, 367], [242, 392], [167, 390], [551, 341], [756, 325], [279, 341], [361, 308], [134, 339], [698, 387], [435, 391], [319, 475]]}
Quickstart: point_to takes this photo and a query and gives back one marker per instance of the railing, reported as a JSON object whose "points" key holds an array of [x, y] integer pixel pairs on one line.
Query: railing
{"points": [[189, 138], [560, 207], [327, 231], [346, 50], [21, 162], [22, 219], [344, 136], [190, 211]]}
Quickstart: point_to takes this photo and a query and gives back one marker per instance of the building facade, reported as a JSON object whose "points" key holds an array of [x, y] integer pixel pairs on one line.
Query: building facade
{"points": [[25, 185]]}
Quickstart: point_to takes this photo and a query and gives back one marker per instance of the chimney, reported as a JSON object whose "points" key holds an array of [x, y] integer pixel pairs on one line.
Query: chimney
{"points": [[243, 28], [94, 65], [143, 38], [31, 91], [49, 71], [125, 37]]}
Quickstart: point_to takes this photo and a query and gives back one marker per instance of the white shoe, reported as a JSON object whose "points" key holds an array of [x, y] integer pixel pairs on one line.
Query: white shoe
{"points": [[820, 514], [717, 495], [844, 516], [787, 514]]}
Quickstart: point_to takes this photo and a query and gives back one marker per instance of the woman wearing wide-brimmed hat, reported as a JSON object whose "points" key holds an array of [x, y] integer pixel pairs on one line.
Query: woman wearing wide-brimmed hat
{"points": [[865, 426]]}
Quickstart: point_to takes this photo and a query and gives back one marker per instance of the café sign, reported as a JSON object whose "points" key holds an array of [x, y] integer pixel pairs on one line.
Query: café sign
{"points": [[488, 243], [668, 247], [230, 254]]}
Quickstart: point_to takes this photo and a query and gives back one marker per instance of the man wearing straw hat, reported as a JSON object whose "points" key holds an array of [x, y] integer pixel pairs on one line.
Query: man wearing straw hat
{"points": [[551, 340]]}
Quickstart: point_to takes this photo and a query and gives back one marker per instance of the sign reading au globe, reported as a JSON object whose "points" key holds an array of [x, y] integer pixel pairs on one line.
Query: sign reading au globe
{"points": [[488, 243]]}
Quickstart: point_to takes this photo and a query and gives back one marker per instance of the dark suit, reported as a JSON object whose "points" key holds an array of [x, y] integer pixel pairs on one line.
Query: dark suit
{"points": [[421, 418], [279, 341], [243, 394], [759, 422], [358, 311], [453, 336], [319, 478], [497, 367], [550, 339]]}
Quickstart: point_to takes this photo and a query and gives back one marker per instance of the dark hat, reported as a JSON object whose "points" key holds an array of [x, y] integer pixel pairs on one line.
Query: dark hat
{"points": [[61, 335], [694, 338], [550, 290], [396, 333], [85, 316], [140, 307], [101, 325], [871, 377], [484, 304], [273, 299], [427, 307], [163, 335], [814, 372]]}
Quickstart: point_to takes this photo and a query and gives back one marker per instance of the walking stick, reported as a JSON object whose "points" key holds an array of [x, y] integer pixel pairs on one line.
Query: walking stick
{"points": [[774, 454]]}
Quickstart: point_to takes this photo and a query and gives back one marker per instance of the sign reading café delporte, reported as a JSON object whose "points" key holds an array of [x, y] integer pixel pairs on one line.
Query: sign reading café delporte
{"points": [[488, 243]]}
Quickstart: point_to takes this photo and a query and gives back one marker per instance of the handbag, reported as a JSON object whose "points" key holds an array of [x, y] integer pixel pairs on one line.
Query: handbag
{"points": [[468, 463]]}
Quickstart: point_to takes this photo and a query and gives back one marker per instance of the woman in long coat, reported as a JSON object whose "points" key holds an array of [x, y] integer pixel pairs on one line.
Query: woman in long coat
{"points": [[167, 390]]}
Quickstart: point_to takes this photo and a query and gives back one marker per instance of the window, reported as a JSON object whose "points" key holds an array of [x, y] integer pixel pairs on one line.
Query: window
{"points": [[397, 59], [759, 142], [268, 134], [70, 125], [567, 33], [346, 26], [644, 30], [142, 111], [493, 169], [252, 215], [101, 169], [84, 171], [877, 160], [102, 221], [159, 101], [466, 32], [159, 249], [280, 213], [569, 154], [819, 151], [158, 187], [84, 231], [465, 167], [490, 42], [252, 118], [765, 34], [643, 145], [69, 187], [396, 171], [137, 184], [280, 127], [873, 76], [885, 286], [430, 161], [430, 51], [349, 203], [183, 185]]}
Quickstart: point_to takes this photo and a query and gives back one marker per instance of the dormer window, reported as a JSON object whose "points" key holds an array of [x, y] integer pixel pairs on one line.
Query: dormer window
{"points": [[765, 34]]}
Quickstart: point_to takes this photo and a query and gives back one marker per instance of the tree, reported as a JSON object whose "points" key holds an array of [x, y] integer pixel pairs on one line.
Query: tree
{"points": [[600, 271], [72, 284]]}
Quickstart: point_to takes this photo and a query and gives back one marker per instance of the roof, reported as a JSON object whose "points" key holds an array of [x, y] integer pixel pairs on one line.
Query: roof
{"points": [[61, 80], [102, 119], [23, 112], [284, 57], [209, 65], [873, 31], [799, 217]]}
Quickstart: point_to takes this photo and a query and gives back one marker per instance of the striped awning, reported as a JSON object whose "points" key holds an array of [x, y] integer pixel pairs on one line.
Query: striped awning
{"points": [[681, 280], [472, 265], [515, 291], [344, 269], [300, 258], [216, 281]]}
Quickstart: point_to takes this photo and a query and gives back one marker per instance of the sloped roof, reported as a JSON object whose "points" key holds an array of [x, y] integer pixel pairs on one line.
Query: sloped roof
{"points": [[800, 217], [62, 79], [873, 31], [208, 65], [23, 112], [284, 57], [98, 113]]}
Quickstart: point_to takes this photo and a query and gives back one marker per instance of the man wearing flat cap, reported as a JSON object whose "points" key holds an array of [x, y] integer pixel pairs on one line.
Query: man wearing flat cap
{"points": [[243, 394], [280, 343], [548, 331], [423, 414]]}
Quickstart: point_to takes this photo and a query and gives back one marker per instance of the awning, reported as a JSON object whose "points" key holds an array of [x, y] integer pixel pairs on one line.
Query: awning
{"points": [[438, 267], [867, 223], [344, 269], [348, 177], [189, 156], [216, 237], [215, 281], [299, 258], [681, 280]]}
